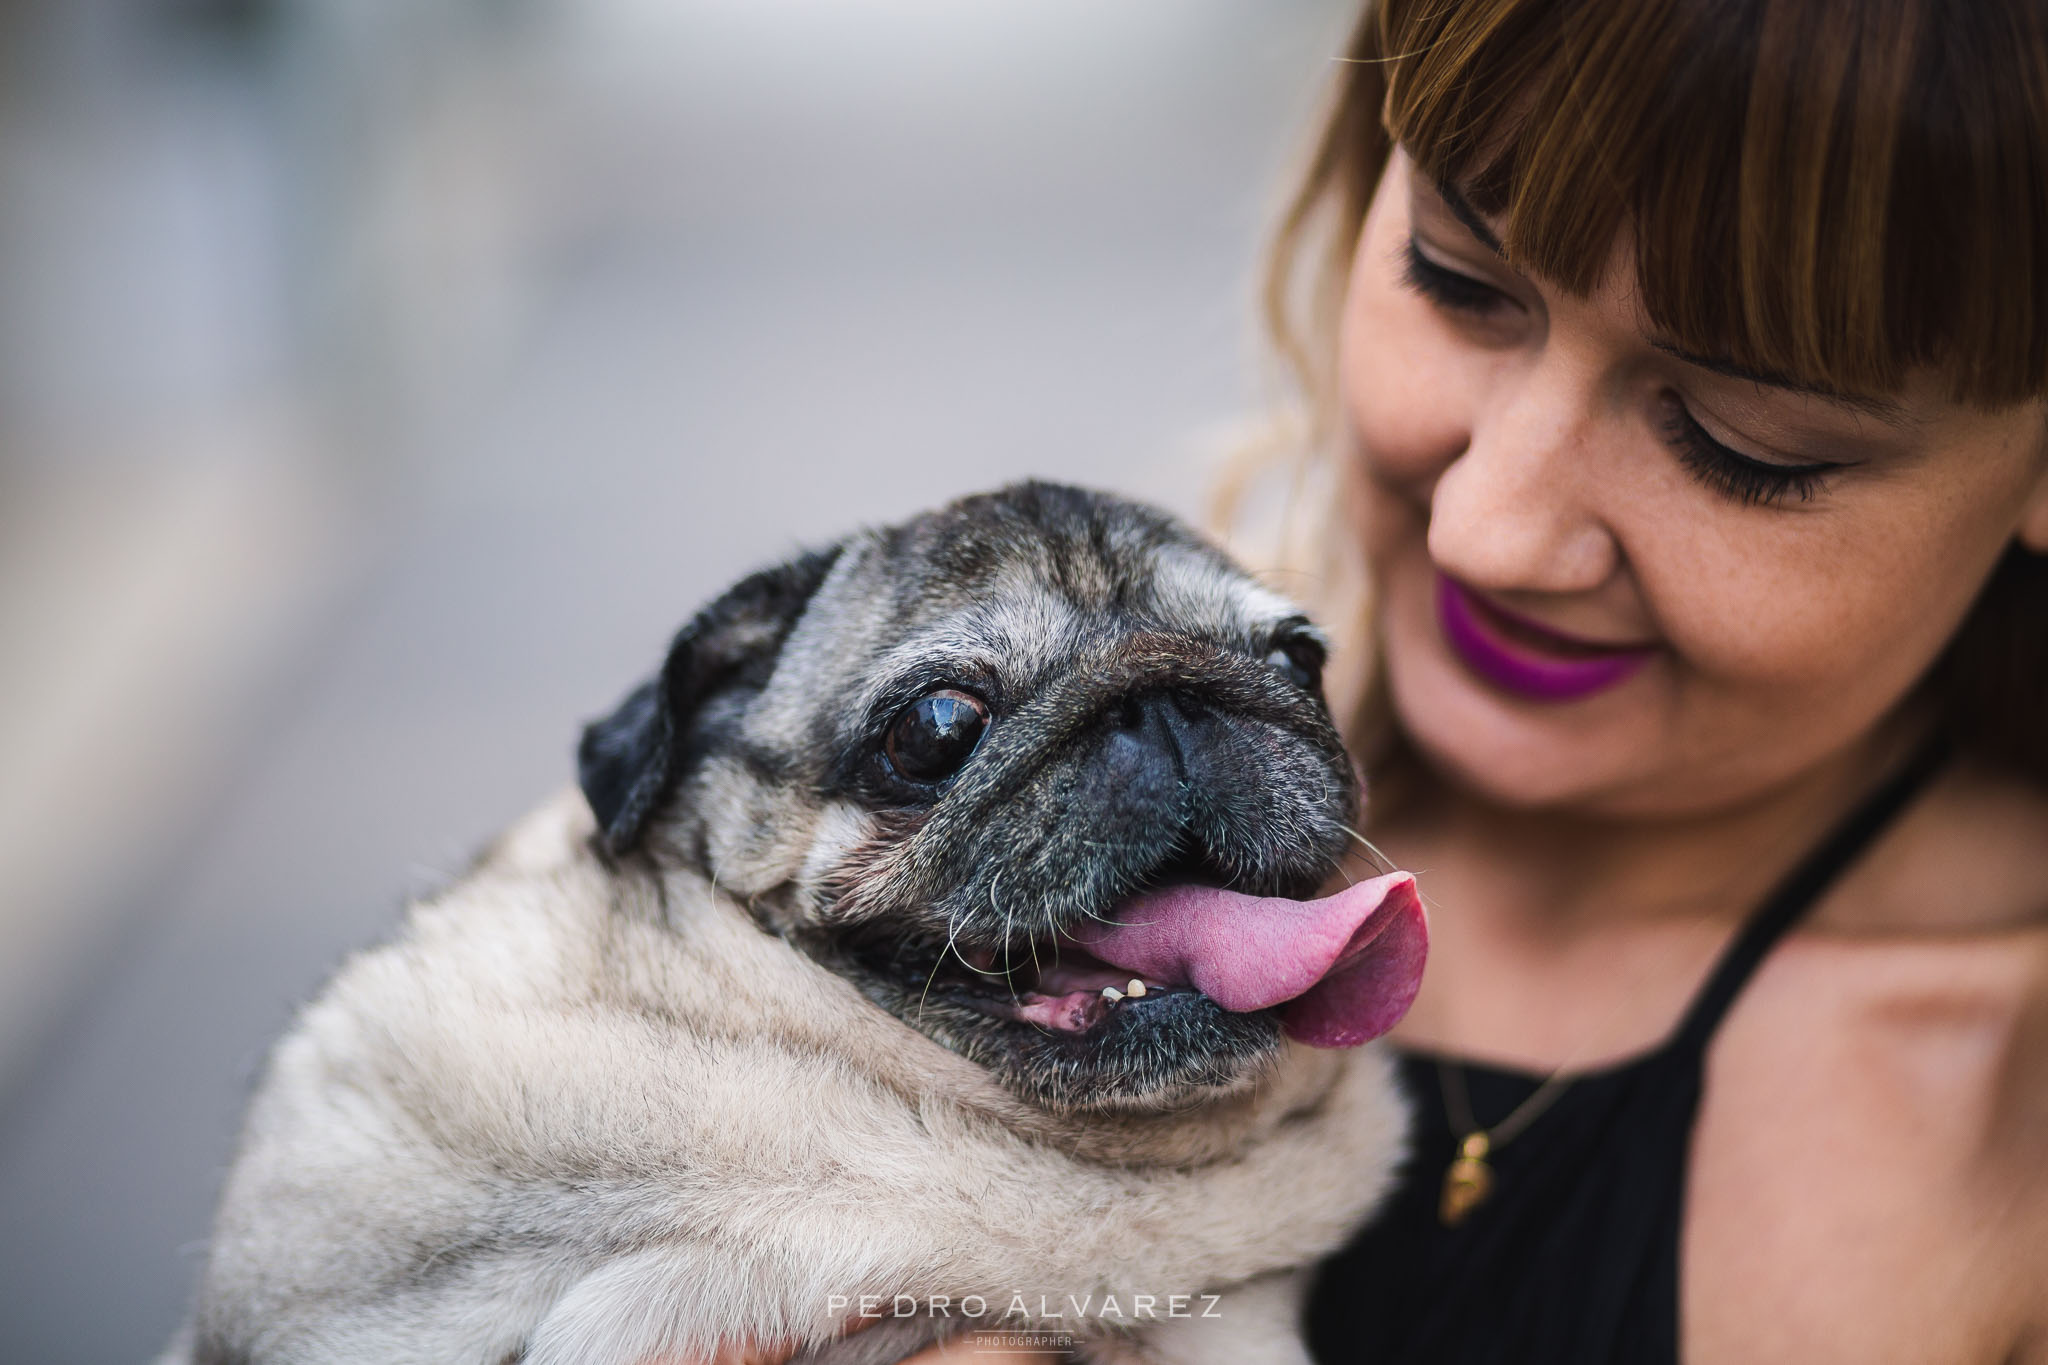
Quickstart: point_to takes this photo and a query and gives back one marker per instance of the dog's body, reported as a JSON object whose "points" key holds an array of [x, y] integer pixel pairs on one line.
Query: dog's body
{"points": [[626, 1090]]}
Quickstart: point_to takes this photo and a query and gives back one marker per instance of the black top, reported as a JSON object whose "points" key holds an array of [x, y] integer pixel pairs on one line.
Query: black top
{"points": [[1573, 1257]]}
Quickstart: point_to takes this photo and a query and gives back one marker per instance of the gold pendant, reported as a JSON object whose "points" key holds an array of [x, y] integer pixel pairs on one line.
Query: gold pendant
{"points": [[1468, 1181]]}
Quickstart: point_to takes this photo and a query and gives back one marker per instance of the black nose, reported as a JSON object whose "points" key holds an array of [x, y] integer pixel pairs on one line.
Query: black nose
{"points": [[1154, 746], [1142, 753]]}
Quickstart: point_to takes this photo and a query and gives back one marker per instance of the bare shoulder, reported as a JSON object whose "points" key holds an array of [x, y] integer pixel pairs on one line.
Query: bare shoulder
{"points": [[1937, 950], [1948, 976], [1971, 854], [1928, 962], [2016, 1146], [1867, 1165], [1931, 957]]}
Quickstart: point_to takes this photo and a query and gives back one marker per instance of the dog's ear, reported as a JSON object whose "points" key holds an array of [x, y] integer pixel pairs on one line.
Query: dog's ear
{"points": [[632, 758]]}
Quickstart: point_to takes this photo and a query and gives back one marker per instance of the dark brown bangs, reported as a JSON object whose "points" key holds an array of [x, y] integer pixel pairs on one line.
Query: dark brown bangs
{"points": [[1836, 191]]}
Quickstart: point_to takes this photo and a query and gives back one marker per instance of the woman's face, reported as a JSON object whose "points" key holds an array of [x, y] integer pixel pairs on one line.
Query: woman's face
{"points": [[1622, 581]]}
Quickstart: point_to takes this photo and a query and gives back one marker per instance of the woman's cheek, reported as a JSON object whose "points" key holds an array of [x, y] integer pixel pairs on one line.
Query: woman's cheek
{"points": [[1793, 620], [1409, 404]]}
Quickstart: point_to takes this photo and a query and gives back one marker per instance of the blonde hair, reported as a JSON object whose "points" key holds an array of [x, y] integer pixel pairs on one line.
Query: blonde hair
{"points": [[1840, 192]]}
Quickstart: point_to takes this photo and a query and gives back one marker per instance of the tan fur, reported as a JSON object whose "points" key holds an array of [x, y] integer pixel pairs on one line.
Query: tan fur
{"points": [[748, 1137]]}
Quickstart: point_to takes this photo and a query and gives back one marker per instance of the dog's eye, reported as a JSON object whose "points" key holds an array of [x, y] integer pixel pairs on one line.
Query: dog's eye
{"points": [[1300, 661], [934, 735]]}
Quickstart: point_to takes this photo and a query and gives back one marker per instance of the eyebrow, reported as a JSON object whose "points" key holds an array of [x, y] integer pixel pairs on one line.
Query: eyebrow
{"points": [[1462, 210], [1883, 409]]}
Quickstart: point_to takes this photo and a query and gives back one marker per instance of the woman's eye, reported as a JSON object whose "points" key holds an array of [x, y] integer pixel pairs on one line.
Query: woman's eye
{"points": [[1449, 289], [933, 737], [1732, 474]]}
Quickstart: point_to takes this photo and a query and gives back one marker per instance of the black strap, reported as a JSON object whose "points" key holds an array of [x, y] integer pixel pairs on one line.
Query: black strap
{"points": [[1795, 895]]}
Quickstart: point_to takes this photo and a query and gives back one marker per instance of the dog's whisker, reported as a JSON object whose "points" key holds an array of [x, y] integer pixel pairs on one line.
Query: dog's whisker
{"points": [[1113, 923], [952, 931], [1030, 941], [994, 884], [1380, 860], [1009, 969], [921, 995]]}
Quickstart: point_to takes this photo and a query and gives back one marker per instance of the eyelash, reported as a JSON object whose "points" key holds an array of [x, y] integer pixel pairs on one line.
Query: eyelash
{"points": [[1752, 483], [1448, 289]]}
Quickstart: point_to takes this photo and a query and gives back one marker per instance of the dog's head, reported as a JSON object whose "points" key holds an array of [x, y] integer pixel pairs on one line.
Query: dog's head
{"points": [[999, 763]]}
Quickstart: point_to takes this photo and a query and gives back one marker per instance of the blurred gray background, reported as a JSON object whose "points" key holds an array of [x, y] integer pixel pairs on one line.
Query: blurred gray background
{"points": [[381, 381]]}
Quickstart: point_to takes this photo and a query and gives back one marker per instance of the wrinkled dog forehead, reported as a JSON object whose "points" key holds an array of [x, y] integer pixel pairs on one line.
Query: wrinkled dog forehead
{"points": [[988, 590]]}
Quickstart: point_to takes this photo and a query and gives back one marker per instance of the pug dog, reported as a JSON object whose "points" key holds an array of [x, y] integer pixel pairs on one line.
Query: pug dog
{"points": [[938, 928]]}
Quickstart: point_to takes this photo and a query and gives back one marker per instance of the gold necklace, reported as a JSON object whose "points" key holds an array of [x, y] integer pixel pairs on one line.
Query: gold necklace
{"points": [[1468, 1179]]}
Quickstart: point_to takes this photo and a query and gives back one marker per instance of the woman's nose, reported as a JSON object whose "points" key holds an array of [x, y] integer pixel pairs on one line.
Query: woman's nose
{"points": [[1515, 510]]}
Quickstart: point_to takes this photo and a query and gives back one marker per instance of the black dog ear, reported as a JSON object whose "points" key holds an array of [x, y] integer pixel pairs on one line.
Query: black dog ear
{"points": [[631, 759]]}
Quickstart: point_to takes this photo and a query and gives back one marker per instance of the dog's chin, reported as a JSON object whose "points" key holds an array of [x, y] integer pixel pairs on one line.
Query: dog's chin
{"points": [[1060, 1028]]}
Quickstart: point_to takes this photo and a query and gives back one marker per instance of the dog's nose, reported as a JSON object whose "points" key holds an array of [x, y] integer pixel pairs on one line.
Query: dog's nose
{"points": [[1158, 746], [1142, 755]]}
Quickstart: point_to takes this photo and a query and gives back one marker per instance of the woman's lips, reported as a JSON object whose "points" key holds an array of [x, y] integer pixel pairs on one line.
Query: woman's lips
{"points": [[1524, 658]]}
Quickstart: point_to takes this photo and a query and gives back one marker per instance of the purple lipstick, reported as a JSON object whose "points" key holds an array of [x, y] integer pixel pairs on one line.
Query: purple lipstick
{"points": [[1532, 661]]}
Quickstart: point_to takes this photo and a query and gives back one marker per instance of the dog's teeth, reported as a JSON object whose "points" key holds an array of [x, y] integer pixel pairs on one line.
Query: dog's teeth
{"points": [[1112, 994], [1135, 989]]}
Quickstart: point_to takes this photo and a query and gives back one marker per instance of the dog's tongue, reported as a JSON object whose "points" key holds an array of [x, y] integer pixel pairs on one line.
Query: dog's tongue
{"points": [[1344, 969]]}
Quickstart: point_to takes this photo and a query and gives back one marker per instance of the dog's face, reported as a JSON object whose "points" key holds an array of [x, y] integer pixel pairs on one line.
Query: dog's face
{"points": [[931, 754]]}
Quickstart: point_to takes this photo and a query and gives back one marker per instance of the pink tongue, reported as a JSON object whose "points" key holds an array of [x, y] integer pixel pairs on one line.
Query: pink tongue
{"points": [[1345, 967]]}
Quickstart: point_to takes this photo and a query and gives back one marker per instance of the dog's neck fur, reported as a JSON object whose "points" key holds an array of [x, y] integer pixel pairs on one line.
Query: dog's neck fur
{"points": [[760, 973]]}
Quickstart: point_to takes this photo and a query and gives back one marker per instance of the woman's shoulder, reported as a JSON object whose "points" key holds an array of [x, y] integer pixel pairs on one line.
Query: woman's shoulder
{"points": [[1941, 931], [1951, 1023], [1972, 855], [1914, 1105], [1939, 939], [1927, 973]]}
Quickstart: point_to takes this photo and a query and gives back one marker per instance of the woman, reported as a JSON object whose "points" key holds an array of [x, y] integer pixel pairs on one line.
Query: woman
{"points": [[1690, 418], [1681, 371]]}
